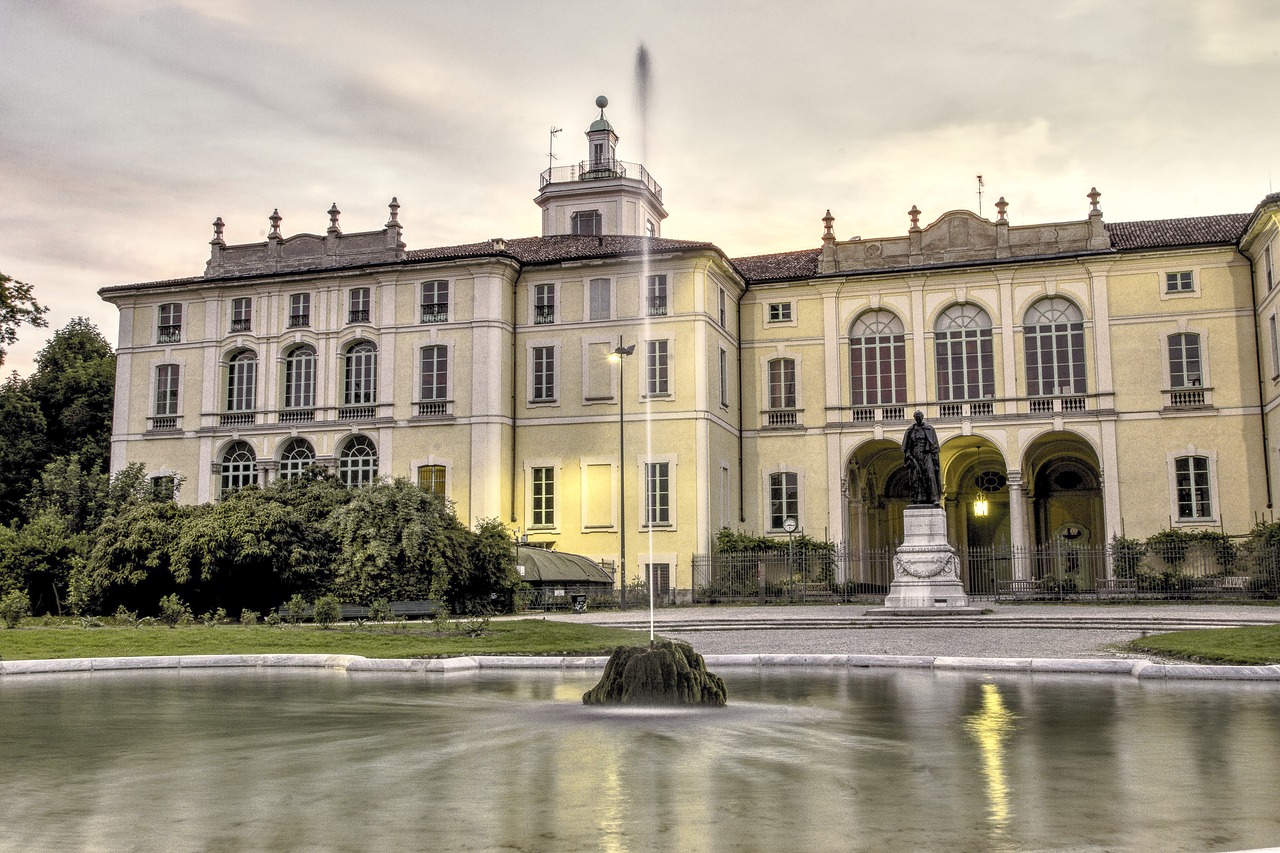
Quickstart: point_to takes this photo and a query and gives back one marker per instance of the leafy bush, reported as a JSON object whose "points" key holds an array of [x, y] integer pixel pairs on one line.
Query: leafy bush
{"points": [[296, 608], [249, 617], [1126, 556], [125, 617], [173, 610], [13, 606], [328, 610], [380, 610], [273, 619]]}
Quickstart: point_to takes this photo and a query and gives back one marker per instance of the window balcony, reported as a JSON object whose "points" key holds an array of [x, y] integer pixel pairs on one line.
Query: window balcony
{"points": [[657, 306], [295, 416], [435, 409], [237, 418], [1188, 398], [544, 314], [168, 334], [879, 414], [299, 320], [357, 413], [783, 418], [241, 325], [435, 313], [162, 423], [360, 316], [1058, 405]]}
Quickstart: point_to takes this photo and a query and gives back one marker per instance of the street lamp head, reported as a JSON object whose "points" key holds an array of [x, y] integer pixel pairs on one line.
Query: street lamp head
{"points": [[620, 351]]}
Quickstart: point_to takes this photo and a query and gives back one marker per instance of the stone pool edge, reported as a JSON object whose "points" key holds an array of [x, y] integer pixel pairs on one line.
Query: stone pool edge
{"points": [[1134, 667]]}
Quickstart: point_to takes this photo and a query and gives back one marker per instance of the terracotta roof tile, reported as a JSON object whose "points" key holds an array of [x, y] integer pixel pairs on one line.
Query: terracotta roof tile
{"points": [[780, 265], [1169, 233]]}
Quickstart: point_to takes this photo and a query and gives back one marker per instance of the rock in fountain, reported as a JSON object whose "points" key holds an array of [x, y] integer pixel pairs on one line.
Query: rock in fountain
{"points": [[662, 673]]}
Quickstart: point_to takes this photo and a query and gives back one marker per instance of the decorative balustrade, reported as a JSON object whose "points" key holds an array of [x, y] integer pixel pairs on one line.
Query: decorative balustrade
{"points": [[294, 416], [241, 325], [163, 423], [237, 418], [168, 334], [782, 417], [435, 408], [299, 320], [437, 312]]}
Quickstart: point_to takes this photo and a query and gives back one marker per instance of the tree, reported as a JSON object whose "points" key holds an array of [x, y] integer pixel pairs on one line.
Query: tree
{"points": [[74, 384], [66, 488], [39, 556], [17, 306], [129, 563], [488, 580], [23, 445]]}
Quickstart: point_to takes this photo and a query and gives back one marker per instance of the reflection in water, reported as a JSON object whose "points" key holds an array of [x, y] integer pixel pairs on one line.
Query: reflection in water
{"points": [[990, 727], [800, 760]]}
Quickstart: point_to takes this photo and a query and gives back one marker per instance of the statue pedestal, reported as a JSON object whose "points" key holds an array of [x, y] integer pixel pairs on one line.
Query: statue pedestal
{"points": [[926, 570]]}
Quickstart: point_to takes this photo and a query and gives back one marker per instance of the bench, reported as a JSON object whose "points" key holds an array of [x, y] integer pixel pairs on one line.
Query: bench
{"points": [[1018, 590], [1117, 587], [355, 612]]}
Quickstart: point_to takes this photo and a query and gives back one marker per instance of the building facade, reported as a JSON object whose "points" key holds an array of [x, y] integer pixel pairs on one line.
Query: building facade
{"points": [[611, 392]]}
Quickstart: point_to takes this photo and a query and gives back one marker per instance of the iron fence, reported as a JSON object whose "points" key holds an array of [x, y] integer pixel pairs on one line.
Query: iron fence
{"points": [[1202, 571]]}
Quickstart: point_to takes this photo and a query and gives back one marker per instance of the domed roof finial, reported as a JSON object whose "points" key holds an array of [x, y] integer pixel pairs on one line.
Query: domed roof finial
{"points": [[601, 123], [602, 102], [333, 219], [275, 219]]}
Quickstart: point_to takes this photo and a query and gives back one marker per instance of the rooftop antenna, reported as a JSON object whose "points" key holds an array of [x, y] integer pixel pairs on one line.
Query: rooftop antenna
{"points": [[980, 185], [551, 149]]}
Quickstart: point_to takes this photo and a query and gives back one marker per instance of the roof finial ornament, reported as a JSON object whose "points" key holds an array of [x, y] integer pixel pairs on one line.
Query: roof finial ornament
{"points": [[1093, 197], [1001, 207], [394, 221], [602, 102], [333, 219], [828, 233], [914, 213], [218, 225], [275, 219]]}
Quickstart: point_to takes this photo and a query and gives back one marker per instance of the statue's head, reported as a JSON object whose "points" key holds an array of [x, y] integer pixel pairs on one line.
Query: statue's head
{"points": [[919, 416]]}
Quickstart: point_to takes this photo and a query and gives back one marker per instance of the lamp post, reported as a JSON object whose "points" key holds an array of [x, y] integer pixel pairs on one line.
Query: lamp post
{"points": [[620, 352]]}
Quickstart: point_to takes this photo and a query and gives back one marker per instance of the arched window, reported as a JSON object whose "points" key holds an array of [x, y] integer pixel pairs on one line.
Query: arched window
{"points": [[878, 360], [360, 379], [297, 457], [239, 468], [242, 382], [1054, 335], [963, 351], [358, 462], [300, 378]]}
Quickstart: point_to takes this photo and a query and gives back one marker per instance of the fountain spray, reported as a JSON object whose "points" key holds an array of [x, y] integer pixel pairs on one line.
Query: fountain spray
{"points": [[642, 99]]}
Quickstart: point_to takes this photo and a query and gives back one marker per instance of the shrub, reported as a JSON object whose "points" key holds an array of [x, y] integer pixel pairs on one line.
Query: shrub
{"points": [[125, 617], [217, 617], [273, 619], [296, 608], [328, 610], [248, 617], [13, 606], [380, 610], [173, 610]]}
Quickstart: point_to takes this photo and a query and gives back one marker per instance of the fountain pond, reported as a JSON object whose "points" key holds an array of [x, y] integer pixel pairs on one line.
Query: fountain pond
{"points": [[801, 759]]}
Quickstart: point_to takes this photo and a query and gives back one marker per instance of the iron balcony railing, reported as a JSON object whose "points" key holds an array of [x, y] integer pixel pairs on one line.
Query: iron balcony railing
{"points": [[598, 170], [296, 320], [360, 316], [169, 334], [657, 306], [544, 314], [437, 312], [241, 325]]}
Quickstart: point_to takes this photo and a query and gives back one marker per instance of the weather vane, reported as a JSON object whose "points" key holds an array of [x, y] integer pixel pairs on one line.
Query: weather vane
{"points": [[551, 149], [979, 195]]}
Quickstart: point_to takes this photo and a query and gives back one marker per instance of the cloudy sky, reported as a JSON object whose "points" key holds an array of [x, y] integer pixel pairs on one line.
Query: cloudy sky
{"points": [[126, 126]]}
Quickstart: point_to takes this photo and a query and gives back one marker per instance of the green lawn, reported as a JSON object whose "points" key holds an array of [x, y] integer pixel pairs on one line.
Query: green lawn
{"points": [[411, 640], [1257, 644]]}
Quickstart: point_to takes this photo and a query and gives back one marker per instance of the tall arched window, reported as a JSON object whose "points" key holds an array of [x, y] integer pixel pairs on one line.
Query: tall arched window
{"points": [[239, 468], [878, 360], [300, 378], [963, 351], [360, 386], [358, 462], [242, 382], [297, 457], [1054, 334]]}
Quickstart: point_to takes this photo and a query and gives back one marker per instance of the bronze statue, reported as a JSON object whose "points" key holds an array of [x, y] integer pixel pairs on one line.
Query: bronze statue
{"points": [[920, 452]]}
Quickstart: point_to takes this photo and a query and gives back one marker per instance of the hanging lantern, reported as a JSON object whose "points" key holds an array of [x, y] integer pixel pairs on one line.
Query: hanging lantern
{"points": [[980, 505]]}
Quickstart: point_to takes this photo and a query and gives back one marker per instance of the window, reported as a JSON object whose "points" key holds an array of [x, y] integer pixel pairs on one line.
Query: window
{"points": [[587, 222], [435, 373], [164, 487], [242, 381], [358, 305], [435, 301], [300, 378], [544, 497], [782, 383], [169, 326], [656, 296], [784, 498], [601, 298], [360, 381], [723, 306], [358, 462], [1179, 282], [167, 390], [724, 379], [658, 575], [1191, 479], [239, 468], [657, 494], [963, 351], [431, 478], [650, 230], [297, 457], [241, 314], [779, 312], [657, 374], [544, 303], [544, 374], [1053, 331], [877, 360], [1268, 269], [1275, 346], [1184, 361], [299, 310]]}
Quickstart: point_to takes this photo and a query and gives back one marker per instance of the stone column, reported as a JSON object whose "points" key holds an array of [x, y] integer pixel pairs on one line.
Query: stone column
{"points": [[1018, 539]]}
